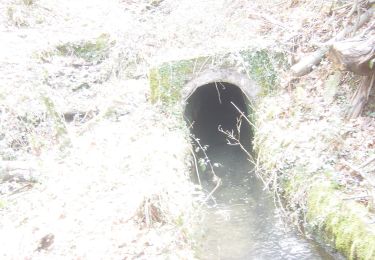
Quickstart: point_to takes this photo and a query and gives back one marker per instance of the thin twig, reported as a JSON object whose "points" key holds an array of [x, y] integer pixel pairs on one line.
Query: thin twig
{"points": [[204, 64], [341, 7], [195, 65], [236, 141], [215, 178], [23, 188], [357, 197], [270, 19], [205, 154], [192, 152], [367, 162], [218, 183], [358, 9], [243, 115], [218, 93], [196, 166], [368, 29], [354, 8], [361, 173]]}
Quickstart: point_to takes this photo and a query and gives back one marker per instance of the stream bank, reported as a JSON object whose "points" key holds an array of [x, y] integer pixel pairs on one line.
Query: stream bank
{"points": [[302, 144], [300, 140], [239, 217]]}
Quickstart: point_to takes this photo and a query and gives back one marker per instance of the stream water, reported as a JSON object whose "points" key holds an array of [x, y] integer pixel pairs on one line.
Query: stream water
{"points": [[241, 221]]}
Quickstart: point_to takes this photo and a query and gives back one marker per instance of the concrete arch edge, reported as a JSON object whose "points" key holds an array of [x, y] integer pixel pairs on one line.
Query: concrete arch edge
{"points": [[242, 81]]}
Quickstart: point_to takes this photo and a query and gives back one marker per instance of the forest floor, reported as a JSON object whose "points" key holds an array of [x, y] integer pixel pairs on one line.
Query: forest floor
{"points": [[88, 167]]}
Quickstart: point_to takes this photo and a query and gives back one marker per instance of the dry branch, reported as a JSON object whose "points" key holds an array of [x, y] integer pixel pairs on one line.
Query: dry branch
{"points": [[306, 64], [19, 171], [366, 176], [367, 162]]}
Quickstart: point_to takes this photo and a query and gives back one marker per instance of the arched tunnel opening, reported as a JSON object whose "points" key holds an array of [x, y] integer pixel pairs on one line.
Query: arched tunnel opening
{"points": [[237, 209], [215, 106]]}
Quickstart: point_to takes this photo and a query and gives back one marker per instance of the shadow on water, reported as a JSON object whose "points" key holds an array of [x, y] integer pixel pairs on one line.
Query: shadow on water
{"points": [[241, 220]]}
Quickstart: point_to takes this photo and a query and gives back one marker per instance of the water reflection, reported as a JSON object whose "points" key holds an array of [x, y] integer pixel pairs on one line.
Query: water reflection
{"points": [[241, 221]]}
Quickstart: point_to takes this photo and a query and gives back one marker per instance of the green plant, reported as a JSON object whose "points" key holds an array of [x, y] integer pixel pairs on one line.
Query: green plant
{"points": [[91, 51], [28, 2], [61, 132], [2, 204], [16, 16], [263, 65]]}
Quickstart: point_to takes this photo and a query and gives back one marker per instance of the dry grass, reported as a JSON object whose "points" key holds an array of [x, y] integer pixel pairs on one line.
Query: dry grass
{"points": [[306, 130], [113, 182], [122, 190], [306, 134]]}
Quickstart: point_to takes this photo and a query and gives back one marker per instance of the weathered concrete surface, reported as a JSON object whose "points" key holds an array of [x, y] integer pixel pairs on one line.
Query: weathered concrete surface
{"points": [[248, 87], [253, 70]]}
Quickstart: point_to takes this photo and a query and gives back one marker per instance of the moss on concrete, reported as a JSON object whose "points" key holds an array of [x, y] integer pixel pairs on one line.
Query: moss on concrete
{"points": [[295, 158], [167, 79], [341, 222], [262, 65]]}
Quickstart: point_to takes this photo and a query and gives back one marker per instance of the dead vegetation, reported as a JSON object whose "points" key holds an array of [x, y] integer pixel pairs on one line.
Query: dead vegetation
{"points": [[327, 93], [86, 162], [84, 168]]}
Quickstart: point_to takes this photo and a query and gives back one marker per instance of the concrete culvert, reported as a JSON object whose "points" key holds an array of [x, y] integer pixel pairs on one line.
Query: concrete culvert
{"points": [[219, 98], [217, 104]]}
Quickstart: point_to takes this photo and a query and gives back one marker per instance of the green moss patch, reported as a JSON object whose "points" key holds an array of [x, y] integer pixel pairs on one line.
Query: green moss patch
{"points": [[339, 222], [2, 204], [167, 79], [262, 65], [342, 222], [295, 155], [61, 132], [95, 50]]}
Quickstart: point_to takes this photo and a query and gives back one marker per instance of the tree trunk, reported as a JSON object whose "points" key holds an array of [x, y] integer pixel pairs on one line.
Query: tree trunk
{"points": [[356, 55], [360, 97]]}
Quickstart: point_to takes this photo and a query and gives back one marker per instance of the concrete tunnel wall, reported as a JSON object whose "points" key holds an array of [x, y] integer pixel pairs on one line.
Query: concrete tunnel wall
{"points": [[209, 101]]}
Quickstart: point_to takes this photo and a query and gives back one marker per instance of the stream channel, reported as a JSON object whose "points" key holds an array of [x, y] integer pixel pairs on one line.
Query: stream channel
{"points": [[241, 220]]}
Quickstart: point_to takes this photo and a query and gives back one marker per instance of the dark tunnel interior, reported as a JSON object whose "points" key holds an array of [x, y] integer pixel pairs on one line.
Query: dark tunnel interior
{"points": [[211, 106]]}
